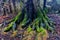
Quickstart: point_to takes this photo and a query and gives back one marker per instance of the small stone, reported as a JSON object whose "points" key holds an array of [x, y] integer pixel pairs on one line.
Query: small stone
{"points": [[1, 25]]}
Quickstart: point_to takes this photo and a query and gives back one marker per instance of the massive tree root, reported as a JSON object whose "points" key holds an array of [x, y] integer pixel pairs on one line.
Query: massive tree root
{"points": [[30, 19]]}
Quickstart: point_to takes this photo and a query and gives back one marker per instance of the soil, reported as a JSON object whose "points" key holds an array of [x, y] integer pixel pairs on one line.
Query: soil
{"points": [[52, 36]]}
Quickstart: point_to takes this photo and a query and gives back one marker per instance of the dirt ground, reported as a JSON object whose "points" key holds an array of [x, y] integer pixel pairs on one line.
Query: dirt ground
{"points": [[56, 36]]}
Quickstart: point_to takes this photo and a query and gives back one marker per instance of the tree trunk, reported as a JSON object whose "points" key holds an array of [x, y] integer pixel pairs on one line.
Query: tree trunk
{"points": [[36, 16]]}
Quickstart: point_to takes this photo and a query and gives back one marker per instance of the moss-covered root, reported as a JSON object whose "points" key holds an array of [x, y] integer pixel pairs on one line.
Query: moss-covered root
{"points": [[43, 35]]}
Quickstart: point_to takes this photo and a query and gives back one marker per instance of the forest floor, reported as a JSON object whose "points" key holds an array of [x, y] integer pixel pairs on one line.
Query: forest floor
{"points": [[56, 19], [56, 36]]}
